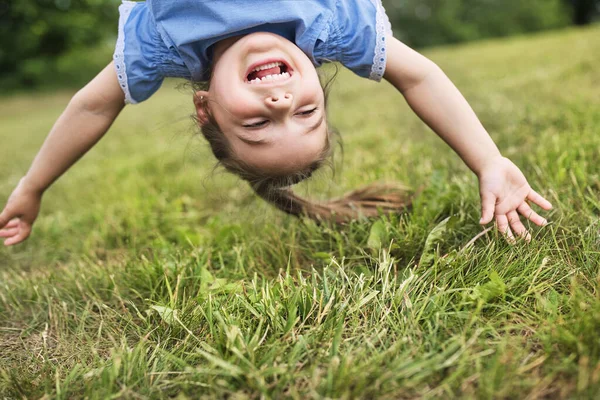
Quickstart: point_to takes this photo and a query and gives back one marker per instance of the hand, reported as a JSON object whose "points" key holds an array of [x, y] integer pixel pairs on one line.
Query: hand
{"points": [[20, 212], [505, 194]]}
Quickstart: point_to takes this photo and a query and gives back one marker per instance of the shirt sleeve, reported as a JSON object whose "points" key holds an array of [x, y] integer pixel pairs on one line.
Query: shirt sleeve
{"points": [[362, 28], [135, 53]]}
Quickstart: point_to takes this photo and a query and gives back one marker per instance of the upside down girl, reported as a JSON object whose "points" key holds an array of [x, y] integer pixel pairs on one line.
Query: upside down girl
{"points": [[262, 107]]}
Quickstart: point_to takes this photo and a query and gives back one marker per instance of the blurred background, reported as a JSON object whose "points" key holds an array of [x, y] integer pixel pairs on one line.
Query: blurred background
{"points": [[63, 43]]}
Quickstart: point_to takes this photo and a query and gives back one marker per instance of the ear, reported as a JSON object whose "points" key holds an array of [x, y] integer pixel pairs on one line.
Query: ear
{"points": [[201, 103]]}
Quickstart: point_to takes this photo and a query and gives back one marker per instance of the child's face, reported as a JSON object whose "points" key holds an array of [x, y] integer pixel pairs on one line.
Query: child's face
{"points": [[266, 97]]}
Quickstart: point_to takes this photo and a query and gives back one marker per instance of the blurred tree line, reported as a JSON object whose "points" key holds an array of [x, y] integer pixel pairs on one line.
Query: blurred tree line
{"points": [[55, 43], [423, 23]]}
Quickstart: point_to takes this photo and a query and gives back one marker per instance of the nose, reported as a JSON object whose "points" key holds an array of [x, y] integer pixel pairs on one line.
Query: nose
{"points": [[279, 101]]}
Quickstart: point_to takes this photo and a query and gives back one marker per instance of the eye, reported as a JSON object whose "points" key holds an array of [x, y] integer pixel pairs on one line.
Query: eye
{"points": [[308, 112], [256, 124]]}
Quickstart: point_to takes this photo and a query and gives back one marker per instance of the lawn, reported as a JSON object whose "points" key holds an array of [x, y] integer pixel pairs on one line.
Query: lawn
{"points": [[152, 275]]}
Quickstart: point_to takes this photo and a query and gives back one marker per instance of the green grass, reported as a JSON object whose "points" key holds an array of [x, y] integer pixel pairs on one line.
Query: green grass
{"points": [[151, 276]]}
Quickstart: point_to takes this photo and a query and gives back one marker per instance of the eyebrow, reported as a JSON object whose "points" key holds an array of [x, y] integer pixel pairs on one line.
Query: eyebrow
{"points": [[254, 142]]}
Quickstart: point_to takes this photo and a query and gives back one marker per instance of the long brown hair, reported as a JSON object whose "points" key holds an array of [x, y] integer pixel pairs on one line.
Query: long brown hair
{"points": [[368, 201]]}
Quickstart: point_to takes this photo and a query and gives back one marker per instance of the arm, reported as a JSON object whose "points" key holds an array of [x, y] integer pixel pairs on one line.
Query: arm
{"points": [[87, 117], [432, 96]]}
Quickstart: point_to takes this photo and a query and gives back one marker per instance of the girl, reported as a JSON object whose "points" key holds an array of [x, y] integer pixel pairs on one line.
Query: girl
{"points": [[263, 108]]}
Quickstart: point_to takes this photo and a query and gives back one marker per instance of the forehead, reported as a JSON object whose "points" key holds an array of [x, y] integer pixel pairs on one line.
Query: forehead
{"points": [[284, 152]]}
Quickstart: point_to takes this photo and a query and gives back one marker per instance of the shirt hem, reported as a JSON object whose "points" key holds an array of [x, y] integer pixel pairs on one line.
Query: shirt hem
{"points": [[119, 55], [383, 28]]}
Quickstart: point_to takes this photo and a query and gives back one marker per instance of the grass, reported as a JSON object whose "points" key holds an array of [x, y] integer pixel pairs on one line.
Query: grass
{"points": [[150, 276]]}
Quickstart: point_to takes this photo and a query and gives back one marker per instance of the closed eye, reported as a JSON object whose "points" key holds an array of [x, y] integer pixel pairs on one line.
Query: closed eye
{"points": [[308, 112], [263, 123], [256, 124]]}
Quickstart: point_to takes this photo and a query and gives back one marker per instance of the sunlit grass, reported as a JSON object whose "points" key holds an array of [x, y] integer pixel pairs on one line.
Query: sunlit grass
{"points": [[149, 275]]}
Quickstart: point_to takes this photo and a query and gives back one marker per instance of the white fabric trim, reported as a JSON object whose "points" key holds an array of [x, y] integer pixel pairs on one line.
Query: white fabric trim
{"points": [[383, 28], [119, 56]]}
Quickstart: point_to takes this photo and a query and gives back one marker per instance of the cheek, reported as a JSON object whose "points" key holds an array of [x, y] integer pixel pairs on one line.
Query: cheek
{"points": [[233, 100], [313, 92], [309, 74], [241, 104]]}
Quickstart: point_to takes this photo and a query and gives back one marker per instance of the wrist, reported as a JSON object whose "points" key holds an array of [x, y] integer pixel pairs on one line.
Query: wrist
{"points": [[490, 161], [28, 185]]}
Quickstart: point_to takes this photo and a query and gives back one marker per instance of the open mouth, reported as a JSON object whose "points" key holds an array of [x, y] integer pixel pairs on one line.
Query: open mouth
{"points": [[271, 71]]}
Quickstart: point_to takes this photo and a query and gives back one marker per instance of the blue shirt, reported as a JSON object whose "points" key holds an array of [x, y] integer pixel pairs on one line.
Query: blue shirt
{"points": [[174, 38]]}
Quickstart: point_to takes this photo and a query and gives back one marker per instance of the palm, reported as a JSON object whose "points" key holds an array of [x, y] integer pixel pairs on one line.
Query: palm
{"points": [[508, 185], [504, 195], [18, 215]]}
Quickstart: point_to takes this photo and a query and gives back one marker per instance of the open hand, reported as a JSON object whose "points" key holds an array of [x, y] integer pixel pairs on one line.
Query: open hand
{"points": [[19, 214], [505, 194]]}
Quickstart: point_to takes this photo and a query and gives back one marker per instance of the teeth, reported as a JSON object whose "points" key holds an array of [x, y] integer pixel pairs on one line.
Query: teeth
{"points": [[268, 78], [267, 66]]}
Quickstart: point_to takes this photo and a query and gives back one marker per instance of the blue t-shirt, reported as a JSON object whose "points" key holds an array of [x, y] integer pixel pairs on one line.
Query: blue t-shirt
{"points": [[174, 38]]}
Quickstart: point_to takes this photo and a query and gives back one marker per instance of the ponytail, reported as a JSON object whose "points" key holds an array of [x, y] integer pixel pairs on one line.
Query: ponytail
{"points": [[369, 201]]}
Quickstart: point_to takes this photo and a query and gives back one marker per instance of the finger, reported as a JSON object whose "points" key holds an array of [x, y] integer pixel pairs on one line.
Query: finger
{"points": [[531, 215], [5, 217], [488, 202], [517, 226], [539, 200], [5, 233], [12, 224], [22, 235], [504, 228]]}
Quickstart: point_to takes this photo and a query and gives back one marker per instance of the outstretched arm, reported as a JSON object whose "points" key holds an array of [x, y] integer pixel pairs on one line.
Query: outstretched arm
{"points": [[85, 120], [434, 98]]}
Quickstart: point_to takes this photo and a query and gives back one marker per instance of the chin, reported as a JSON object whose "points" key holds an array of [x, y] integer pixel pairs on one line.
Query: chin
{"points": [[262, 37], [263, 42]]}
